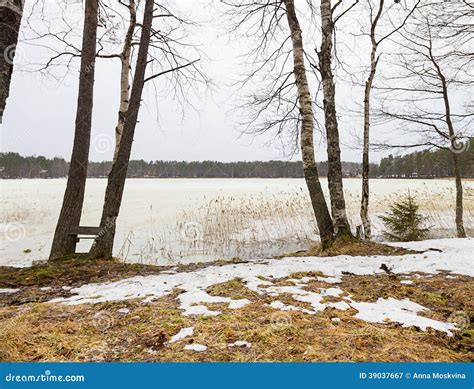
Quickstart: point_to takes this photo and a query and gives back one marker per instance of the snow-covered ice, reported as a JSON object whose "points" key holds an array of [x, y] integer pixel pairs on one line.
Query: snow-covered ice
{"points": [[455, 257], [154, 209]]}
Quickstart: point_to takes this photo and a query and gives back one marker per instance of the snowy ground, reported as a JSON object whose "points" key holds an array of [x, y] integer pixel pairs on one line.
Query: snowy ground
{"points": [[261, 276]]}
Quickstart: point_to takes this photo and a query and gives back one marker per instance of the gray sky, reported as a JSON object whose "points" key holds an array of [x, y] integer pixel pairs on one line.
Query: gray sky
{"points": [[40, 113]]}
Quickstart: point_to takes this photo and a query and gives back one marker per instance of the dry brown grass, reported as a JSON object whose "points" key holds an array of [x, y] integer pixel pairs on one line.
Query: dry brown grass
{"points": [[354, 247], [51, 332]]}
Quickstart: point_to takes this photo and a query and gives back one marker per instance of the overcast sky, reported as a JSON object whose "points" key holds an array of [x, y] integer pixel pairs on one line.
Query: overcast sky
{"points": [[40, 113]]}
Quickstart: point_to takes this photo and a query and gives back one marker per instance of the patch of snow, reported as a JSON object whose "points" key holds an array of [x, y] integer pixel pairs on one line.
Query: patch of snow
{"points": [[67, 287], [8, 290], [183, 333], [329, 280], [335, 319], [401, 311], [277, 304], [190, 299], [406, 282], [455, 257], [45, 288], [123, 311], [451, 277], [195, 347], [240, 343]]}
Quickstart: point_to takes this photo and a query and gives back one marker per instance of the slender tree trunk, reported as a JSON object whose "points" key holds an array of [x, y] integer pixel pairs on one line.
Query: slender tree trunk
{"points": [[103, 245], [64, 244], [11, 12], [125, 58], [336, 189], [459, 206], [461, 233], [310, 168], [364, 202]]}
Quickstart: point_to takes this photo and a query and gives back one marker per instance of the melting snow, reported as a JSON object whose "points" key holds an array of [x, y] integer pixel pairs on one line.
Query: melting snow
{"points": [[195, 347], [455, 257], [240, 343], [183, 333], [8, 290], [401, 311]]}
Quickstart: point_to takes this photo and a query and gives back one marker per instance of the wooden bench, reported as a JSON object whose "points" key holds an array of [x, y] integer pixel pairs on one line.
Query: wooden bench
{"points": [[85, 232]]}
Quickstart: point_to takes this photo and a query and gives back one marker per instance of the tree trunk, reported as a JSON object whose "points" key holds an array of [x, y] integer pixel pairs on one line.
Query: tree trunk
{"points": [[336, 189], [364, 202], [64, 244], [11, 12], [310, 168], [459, 206], [461, 233], [103, 245], [125, 58]]}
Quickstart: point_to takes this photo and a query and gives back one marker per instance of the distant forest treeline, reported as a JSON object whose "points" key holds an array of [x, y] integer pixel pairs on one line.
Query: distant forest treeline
{"points": [[427, 164]]}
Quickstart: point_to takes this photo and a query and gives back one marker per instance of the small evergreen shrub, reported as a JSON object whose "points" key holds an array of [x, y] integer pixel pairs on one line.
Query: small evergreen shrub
{"points": [[403, 223]]}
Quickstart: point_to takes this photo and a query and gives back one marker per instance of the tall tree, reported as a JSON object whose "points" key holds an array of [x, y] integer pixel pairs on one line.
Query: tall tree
{"points": [[375, 41], [103, 245], [310, 168], [64, 243], [336, 189], [11, 12], [434, 61], [281, 102]]}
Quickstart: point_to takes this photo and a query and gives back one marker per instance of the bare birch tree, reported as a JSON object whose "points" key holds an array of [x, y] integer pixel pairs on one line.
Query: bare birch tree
{"points": [[325, 53], [103, 245], [375, 40], [11, 12], [64, 243], [283, 102], [318, 201], [433, 66], [178, 64]]}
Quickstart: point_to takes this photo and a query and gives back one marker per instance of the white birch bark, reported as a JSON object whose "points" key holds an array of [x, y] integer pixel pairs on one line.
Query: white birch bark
{"points": [[125, 58]]}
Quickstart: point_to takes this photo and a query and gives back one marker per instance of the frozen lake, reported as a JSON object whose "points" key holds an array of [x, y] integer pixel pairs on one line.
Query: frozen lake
{"points": [[169, 221]]}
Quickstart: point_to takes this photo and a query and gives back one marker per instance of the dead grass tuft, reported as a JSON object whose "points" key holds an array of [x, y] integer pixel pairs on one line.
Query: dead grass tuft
{"points": [[353, 247]]}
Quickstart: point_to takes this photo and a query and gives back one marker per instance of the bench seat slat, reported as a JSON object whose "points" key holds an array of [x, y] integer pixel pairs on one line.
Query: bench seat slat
{"points": [[85, 230]]}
